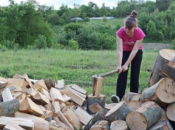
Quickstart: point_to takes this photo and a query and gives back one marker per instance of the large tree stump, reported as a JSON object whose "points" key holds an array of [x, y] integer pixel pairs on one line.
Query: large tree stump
{"points": [[101, 125], [162, 92], [162, 125], [101, 100], [164, 66], [118, 112], [144, 117], [118, 125]]}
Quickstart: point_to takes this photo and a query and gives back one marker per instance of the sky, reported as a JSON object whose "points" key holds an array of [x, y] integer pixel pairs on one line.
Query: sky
{"points": [[57, 3]]}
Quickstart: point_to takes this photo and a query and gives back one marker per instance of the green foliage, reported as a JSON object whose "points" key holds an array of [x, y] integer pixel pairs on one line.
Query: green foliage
{"points": [[151, 29], [41, 42], [73, 44], [172, 44]]}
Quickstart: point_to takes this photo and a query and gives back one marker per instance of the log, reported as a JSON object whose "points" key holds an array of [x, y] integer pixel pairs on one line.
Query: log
{"points": [[60, 84], [37, 121], [41, 99], [17, 83], [136, 97], [170, 112], [46, 93], [162, 125], [77, 92], [118, 125], [97, 84], [110, 106], [31, 91], [56, 95], [133, 105], [162, 92], [73, 119], [25, 76], [163, 66], [101, 100], [6, 95], [12, 126], [3, 84], [83, 116], [9, 107], [61, 124], [94, 108], [118, 112], [79, 89], [144, 117], [128, 96], [40, 84], [49, 83], [101, 125]]}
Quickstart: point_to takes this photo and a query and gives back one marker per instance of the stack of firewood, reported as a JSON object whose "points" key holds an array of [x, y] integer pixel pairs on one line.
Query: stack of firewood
{"points": [[49, 105]]}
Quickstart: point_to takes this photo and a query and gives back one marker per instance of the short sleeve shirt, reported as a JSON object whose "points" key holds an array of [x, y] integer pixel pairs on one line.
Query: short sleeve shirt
{"points": [[128, 43]]}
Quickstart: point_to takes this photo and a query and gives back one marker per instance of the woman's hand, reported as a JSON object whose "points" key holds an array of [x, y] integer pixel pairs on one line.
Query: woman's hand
{"points": [[125, 67], [120, 69]]}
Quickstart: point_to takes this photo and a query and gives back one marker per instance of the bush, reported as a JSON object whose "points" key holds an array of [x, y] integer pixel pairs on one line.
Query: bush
{"points": [[172, 43], [41, 42], [73, 44], [2, 47], [57, 46]]}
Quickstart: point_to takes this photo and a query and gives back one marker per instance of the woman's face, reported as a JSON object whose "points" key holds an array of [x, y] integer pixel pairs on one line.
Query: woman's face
{"points": [[129, 31]]}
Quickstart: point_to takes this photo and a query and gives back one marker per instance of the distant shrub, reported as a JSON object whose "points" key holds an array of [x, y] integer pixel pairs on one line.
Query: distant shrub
{"points": [[2, 47], [41, 42], [172, 44], [73, 44], [57, 46]]}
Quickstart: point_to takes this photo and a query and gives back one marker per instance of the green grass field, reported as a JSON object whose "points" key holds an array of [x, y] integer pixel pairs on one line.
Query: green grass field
{"points": [[75, 67]]}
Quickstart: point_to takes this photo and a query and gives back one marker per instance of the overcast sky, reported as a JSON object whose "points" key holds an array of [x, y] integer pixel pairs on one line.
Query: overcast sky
{"points": [[70, 3]]}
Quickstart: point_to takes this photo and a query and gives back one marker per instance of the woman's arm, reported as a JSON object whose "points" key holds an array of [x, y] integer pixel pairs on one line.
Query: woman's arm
{"points": [[119, 53], [132, 55]]}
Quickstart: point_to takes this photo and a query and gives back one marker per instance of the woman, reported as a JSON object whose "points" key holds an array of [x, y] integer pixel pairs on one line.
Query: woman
{"points": [[129, 50]]}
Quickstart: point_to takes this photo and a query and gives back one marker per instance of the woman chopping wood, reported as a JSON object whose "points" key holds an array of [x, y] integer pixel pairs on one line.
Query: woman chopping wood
{"points": [[129, 52]]}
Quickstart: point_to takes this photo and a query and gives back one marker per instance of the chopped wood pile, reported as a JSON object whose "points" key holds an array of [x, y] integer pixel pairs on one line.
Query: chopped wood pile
{"points": [[48, 105]]}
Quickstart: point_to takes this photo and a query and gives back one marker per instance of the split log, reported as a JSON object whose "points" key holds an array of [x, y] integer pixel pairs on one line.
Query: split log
{"points": [[40, 84], [110, 106], [56, 95], [128, 96], [83, 116], [25, 76], [97, 84], [73, 119], [3, 84], [46, 93], [101, 125], [12, 126], [61, 123], [60, 84], [31, 91], [133, 105], [30, 107], [144, 117], [41, 99], [9, 107], [39, 123], [118, 125], [118, 112], [6, 95], [136, 97], [56, 106], [17, 83], [49, 83], [162, 92], [79, 89], [164, 66], [162, 125], [93, 99], [77, 92], [94, 108], [170, 112]]}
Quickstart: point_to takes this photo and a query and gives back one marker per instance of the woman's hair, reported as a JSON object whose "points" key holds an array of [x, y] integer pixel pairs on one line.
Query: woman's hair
{"points": [[131, 20]]}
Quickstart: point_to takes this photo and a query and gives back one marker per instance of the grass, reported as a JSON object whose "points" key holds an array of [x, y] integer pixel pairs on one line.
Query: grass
{"points": [[75, 67]]}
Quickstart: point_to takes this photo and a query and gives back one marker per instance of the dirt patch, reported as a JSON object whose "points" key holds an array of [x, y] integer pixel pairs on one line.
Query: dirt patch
{"points": [[155, 45]]}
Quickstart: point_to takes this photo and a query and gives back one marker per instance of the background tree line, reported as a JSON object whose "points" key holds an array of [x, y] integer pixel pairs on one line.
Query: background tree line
{"points": [[30, 25]]}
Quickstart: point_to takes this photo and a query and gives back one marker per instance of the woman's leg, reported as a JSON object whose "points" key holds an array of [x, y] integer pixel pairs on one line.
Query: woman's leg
{"points": [[135, 72], [122, 77]]}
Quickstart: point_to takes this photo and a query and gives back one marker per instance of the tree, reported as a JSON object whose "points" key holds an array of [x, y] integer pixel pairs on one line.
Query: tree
{"points": [[151, 29], [163, 5]]}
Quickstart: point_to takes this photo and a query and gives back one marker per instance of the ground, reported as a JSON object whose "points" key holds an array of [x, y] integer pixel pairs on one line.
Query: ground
{"points": [[155, 45]]}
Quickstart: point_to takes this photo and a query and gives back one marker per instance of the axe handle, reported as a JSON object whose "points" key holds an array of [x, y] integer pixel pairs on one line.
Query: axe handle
{"points": [[108, 73]]}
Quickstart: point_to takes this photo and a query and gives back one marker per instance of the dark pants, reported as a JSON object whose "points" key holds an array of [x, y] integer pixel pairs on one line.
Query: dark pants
{"points": [[135, 71]]}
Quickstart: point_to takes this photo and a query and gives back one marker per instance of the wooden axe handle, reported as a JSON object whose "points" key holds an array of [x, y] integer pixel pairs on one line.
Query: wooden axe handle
{"points": [[108, 73]]}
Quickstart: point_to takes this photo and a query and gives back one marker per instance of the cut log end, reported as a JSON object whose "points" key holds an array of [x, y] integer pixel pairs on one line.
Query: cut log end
{"points": [[118, 125]]}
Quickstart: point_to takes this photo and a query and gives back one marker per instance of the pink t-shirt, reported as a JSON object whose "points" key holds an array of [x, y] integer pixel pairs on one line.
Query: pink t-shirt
{"points": [[128, 43]]}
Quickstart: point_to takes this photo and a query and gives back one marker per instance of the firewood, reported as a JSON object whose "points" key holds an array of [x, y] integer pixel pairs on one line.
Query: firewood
{"points": [[110, 106], [162, 92], [94, 108], [56, 106], [93, 99], [9, 107], [162, 125], [64, 120], [163, 67], [29, 106], [133, 105], [17, 83], [101, 125], [72, 118], [60, 84], [97, 85], [61, 123], [3, 84], [56, 95], [170, 112], [15, 95], [144, 117], [49, 83], [118, 112], [128, 96], [40, 84], [24, 123], [25, 76], [83, 116], [12, 126], [136, 97], [46, 93], [75, 97], [78, 88], [77, 92], [41, 99], [164, 116], [118, 125], [6, 95], [31, 91], [66, 98], [37, 121]]}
